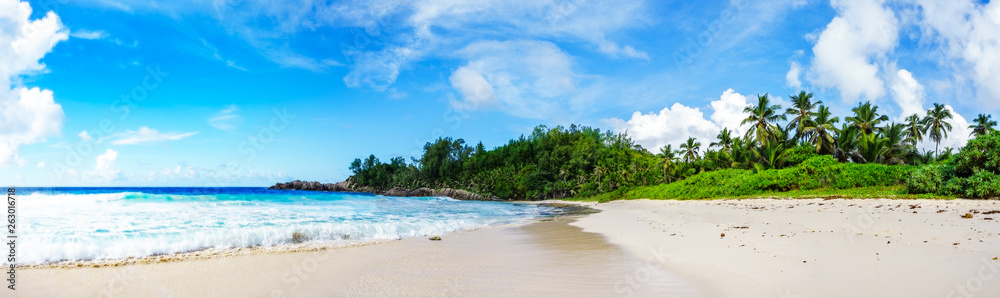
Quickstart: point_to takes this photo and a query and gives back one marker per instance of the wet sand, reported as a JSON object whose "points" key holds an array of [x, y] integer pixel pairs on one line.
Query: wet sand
{"points": [[550, 258]]}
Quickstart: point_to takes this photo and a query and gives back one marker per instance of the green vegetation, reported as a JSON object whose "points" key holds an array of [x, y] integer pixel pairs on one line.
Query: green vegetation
{"points": [[808, 156], [973, 173]]}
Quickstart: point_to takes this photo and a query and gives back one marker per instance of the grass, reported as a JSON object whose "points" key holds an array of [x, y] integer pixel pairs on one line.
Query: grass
{"points": [[817, 177], [887, 192]]}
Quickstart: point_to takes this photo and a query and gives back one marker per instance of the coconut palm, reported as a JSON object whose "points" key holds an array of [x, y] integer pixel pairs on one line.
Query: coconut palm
{"points": [[866, 118], [846, 140], [937, 124], [761, 117], [821, 130], [915, 129], [667, 157], [772, 154], [802, 112], [725, 140], [690, 149], [982, 125]]}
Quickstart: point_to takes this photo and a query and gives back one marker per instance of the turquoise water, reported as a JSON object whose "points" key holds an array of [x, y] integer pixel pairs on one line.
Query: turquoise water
{"points": [[111, 223]]}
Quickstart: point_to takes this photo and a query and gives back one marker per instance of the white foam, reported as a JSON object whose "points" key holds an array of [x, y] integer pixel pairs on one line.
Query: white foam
{"points": [[104, 226]]}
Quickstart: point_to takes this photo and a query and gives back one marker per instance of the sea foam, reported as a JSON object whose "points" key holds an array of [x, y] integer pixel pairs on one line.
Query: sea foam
{"points": [[102, 224]]}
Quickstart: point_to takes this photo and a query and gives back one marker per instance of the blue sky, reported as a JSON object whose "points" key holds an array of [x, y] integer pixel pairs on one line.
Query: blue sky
{"points": [[247, 92]]}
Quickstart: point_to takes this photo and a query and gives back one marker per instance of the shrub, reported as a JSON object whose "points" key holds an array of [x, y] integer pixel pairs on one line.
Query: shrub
{"points": [[980, 153], [800, 154], [982, 184], [929, 179]]}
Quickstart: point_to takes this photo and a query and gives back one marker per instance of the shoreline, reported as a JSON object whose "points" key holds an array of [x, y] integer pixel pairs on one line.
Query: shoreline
{"points": [[697, 248], [536, 259]]}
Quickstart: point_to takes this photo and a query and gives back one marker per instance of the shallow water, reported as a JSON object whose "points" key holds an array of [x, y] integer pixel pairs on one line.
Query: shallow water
{"points": [[58, 224]]}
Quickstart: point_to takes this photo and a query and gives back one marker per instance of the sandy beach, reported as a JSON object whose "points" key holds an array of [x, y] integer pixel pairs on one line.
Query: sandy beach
{"points": [[770, 248], [543, 259], [814, 248]]}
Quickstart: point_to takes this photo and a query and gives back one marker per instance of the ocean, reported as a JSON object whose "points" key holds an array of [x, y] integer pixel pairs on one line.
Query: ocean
{"points": [[75, 224]]}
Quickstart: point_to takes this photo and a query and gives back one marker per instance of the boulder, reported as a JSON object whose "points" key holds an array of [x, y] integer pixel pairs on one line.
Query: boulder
{"points": [[421, 192], [396, 192]]}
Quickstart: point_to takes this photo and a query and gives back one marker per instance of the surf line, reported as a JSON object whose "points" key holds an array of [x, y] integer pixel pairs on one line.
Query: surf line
{"points": [[12, 237]]}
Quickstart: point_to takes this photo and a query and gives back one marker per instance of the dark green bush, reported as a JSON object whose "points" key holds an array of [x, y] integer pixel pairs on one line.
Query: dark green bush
{"points": [[982, 184], [980, 153], [799, 155], [928, 179]]}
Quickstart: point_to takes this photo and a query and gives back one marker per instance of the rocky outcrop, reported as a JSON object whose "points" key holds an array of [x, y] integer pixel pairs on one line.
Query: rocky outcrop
{"points": [[347, 186]]}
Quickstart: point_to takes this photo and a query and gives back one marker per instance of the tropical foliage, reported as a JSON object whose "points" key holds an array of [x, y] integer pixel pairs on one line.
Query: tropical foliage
{"points": [[812, 150]]}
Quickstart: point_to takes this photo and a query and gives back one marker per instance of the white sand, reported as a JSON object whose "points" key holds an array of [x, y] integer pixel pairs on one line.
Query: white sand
{"points": [[537, 260], [813, 248]]}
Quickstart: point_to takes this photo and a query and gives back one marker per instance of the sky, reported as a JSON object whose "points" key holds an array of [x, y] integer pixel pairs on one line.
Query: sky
{"points": [[254, 92]]}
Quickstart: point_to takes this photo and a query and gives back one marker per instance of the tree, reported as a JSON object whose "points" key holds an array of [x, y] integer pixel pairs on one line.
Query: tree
{"points": [[937, 124], [761, 117], [725, 140], [690, 149], [915, 129], [802, 111], [821, 131], [846, 140], [772, 154], [866, 118], [667, 157], [983, 125]]}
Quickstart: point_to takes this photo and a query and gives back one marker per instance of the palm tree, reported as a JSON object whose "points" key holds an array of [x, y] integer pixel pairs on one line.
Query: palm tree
{"points": [[667, 156], [802, 110], [690, 149], [983, 125], [761, 117], [915, 129], [866, 117], [937, 124], [725, 140], [822, 129], [846, 141], [772, 154]]}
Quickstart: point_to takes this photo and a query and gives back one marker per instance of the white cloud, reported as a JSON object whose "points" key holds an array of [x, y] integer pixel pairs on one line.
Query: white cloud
{"points": [[850, 49], [792, 77], [84, 136], [729, 112], [145, 135], [673, 125], [105, 168], [27, 116], [969, 35], [88, 34], [41, 164], [530, 79], [908, 94], [226, 119]]}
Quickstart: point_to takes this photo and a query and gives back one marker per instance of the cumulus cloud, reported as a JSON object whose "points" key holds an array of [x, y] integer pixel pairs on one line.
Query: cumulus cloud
{"points": [[969, 35], [792, 77], [226, 119], [27, 116], [529, 79], [849, 51], [674, 124], [908, 94], [145, 135], [106, 169]]}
